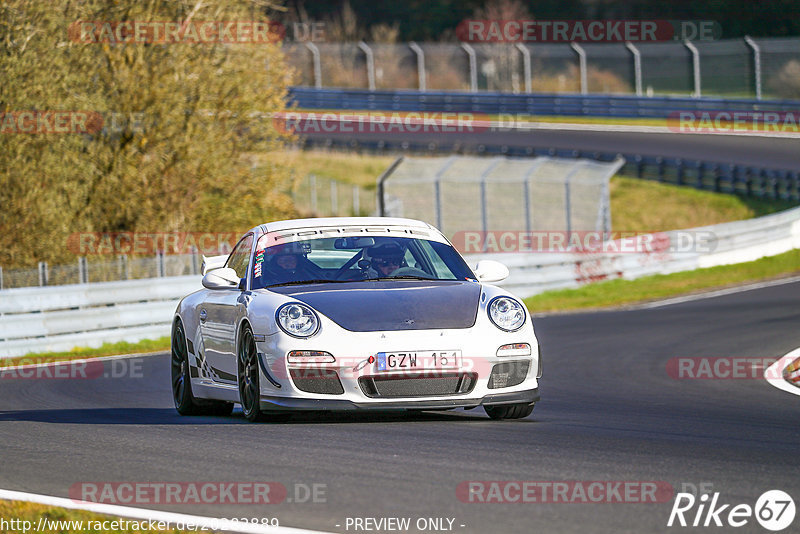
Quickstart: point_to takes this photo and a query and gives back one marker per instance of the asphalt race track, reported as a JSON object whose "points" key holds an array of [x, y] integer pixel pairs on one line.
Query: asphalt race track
{"points": [[768, 152], [610, 412]]}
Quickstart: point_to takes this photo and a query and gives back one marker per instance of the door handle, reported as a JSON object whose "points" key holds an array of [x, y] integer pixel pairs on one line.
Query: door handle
{"points": [[203, 315]]}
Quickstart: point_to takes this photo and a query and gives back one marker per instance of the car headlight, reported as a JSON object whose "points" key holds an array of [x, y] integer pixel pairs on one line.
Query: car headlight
{"points": [[297, 320], [506, 313]]}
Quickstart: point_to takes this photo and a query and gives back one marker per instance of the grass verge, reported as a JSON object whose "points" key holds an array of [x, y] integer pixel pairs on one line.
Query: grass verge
{"points": [[26, 516], [621, 292], [346, 167], [106, 349], [645, 206]]}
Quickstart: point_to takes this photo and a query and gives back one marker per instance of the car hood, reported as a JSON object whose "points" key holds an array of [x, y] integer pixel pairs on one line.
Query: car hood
{"points": [[371, 306]]}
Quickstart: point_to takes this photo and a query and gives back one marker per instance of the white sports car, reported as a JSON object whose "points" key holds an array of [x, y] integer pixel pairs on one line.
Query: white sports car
{"points": [[348, 314]]}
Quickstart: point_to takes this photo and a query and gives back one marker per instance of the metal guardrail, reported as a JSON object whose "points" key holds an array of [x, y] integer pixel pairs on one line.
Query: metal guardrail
{"points": [[58, 318], [728, 243], [63, 317], [495, 103]]}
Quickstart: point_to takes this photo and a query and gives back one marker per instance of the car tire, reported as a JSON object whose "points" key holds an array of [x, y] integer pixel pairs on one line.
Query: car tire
{"points": [[509, 411], [248, 379], [185, 402]]}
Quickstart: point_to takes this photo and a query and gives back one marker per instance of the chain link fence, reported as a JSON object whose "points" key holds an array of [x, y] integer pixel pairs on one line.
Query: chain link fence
{"points": [[319, 196], [461, 194], [87, 270], [768, 68]]}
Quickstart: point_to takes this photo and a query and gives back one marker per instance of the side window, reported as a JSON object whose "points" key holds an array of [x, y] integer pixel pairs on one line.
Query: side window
{"points": [[240, 257]]}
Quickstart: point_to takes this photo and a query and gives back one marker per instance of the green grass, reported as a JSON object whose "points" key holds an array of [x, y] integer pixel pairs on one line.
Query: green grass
{"points": [[356, 169], [107, 349], [32, 512], [644, 206], [621, 292]]}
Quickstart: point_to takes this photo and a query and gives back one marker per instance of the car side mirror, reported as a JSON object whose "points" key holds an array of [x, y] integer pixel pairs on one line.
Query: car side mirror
{"points": [[222, 278], [491, 271], [213, 262]]}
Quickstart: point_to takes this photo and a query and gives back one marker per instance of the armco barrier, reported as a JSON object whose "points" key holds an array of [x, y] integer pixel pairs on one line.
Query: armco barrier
{"points": [[730, 243], [59, 318], [539, 104]]}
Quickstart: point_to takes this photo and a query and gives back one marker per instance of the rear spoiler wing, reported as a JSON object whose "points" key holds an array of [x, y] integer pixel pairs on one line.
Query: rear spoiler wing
{"points": [[213, 262]]}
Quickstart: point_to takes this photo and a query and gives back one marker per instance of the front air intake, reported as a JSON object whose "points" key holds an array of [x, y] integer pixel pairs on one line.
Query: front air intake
{"points": [[420, 385], [508, 374], [323, 381]]}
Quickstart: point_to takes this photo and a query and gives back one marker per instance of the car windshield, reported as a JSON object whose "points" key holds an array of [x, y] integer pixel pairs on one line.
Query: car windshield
{"points": [[349, 259]]}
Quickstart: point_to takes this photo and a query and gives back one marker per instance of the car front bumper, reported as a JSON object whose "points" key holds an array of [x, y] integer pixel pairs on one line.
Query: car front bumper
{"points": [[472, 384], [271, 403]]}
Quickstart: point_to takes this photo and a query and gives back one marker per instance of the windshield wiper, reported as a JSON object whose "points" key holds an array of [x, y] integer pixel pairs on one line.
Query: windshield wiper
{"points": [[401, 277], [313, 281]]}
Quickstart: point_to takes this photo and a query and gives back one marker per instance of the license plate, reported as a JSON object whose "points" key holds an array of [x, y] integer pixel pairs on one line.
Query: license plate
{"points": [[418, 359]]}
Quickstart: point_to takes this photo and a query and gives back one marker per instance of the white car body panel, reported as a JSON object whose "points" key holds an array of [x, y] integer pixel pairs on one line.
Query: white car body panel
{"points": [[213, 341]]}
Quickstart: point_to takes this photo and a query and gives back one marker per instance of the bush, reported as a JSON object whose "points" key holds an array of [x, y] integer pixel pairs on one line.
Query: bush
{"points": [[178, 120]]}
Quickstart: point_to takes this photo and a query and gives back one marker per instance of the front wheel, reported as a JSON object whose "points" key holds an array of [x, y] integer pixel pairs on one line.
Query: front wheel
{"points": [[509, 411], [249, 385]]}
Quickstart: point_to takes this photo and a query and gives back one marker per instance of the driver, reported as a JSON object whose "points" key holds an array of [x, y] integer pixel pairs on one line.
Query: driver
{"points": [[386, 259], [287, 263]]}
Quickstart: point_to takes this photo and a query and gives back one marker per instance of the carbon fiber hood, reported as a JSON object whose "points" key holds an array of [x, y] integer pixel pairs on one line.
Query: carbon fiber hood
{"points": [[392, 305]]}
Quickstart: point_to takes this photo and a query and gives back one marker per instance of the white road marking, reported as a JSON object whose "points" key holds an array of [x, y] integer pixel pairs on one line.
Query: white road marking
{"points": [[49, 363], [712, 294], [500, 126], [625, 128], [774, 373], [155, 515]]}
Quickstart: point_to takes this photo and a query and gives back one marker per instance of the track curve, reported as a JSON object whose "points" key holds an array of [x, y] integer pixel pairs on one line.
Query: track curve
{"points": [[609, 411], [765, 152]]}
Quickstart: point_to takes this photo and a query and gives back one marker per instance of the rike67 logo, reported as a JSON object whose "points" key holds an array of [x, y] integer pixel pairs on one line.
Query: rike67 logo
{"points": [[774, 510]]}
